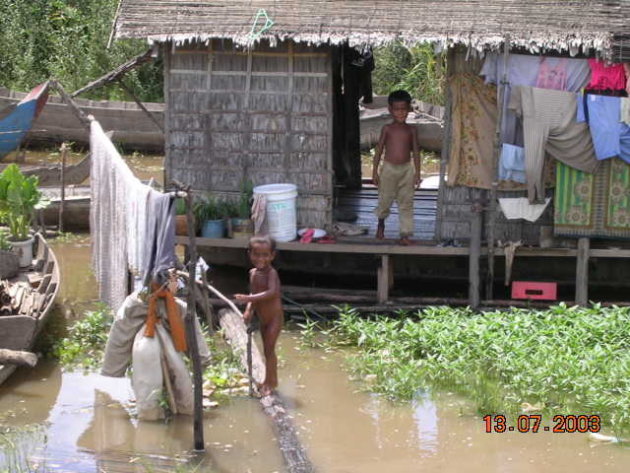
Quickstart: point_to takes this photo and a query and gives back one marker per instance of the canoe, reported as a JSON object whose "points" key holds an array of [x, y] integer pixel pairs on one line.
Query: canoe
{"points": [[76, 210], [426, 118], [50, 175], [17, 117], [130, 126], [33, 293]]}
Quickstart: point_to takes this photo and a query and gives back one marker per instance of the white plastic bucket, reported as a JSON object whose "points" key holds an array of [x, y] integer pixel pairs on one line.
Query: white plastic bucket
{"points": [[280, 210]]}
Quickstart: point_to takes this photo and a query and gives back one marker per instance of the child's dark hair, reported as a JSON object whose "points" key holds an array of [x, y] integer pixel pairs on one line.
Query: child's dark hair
{"points": [[399, 96], [262, 240]]}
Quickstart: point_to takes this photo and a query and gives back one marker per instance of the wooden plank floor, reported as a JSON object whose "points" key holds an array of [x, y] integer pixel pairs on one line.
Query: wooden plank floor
{"points": [[363, 202]]}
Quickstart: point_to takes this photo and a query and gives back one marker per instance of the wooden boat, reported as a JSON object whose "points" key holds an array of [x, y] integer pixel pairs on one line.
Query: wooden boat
{"points": [[76, 209], [17, 117], [131, 127], [50, 175], [426, 118], [33, 293]]}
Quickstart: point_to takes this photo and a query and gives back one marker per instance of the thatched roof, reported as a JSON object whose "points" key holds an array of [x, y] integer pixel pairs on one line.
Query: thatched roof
{"points": [[537, 25]]}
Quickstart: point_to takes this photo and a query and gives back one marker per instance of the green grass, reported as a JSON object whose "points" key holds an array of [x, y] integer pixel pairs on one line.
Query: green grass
{"points": [[84, 345], [570, 359]]}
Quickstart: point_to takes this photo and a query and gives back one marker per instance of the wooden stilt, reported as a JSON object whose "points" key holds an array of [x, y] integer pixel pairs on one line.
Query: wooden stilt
{"points": [[292, 450], [191, 333], [473, 257], [581, 272], [62, 202], [383, 279]]}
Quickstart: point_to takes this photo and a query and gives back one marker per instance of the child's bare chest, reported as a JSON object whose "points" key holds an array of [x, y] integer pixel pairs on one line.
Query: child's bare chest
{"points": [[259, 281]]}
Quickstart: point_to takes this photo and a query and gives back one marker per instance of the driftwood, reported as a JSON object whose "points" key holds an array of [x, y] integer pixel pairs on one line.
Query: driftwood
{"points": [[294, 454], [19, 358]]}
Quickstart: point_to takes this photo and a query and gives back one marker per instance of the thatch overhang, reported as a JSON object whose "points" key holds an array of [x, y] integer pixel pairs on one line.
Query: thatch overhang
{"points": [[536, 25]]}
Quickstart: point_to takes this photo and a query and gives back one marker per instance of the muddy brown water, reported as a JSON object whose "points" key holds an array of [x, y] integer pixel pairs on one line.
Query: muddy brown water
{"points": [[51, 420]]}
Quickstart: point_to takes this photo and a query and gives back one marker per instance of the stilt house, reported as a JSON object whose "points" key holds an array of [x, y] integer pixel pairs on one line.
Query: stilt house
{"points": [[263, 91]]}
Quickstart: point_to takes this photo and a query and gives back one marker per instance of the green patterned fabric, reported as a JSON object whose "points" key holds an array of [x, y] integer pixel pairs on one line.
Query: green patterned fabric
{"points": [[593, 205]]}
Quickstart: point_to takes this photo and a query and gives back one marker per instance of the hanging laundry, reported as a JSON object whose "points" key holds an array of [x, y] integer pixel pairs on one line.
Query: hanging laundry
{"points": [[611, 137], [606, 77], [512, 163], [160, 235], [524, 70], [593, 205], [549, 124], [624, 110], [552, 77], [519, 207]]}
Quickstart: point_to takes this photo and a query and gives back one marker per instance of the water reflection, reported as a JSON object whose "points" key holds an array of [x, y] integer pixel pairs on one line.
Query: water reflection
{"points": [[425, 415]]}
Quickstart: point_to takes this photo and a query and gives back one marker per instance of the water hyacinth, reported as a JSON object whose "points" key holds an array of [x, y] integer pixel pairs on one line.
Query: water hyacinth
{"points": [[567, 359]]}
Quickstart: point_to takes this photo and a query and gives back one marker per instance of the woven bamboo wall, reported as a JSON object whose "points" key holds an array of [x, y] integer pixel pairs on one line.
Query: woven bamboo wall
{"points": [[456, 217], [263, 115]]}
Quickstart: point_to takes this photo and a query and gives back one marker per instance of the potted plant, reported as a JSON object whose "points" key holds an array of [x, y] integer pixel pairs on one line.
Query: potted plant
{"points": [[210, 212], [19, 198], [241, 223]]}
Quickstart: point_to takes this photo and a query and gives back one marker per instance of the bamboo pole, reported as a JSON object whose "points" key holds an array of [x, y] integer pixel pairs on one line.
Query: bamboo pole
{"points": [[115, 73], [492, 205], [140, 104], [71, 103]]}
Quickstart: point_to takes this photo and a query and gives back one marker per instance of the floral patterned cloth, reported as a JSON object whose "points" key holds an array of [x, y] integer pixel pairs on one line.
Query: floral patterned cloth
{"points": [[474, 115], [595, 205]]}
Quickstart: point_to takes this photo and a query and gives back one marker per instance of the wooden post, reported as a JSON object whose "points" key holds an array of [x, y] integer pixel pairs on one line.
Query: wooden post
{"points": [[383, 279], [581, 272], [191, 333], [446, 147], [492, 205], [475, 252], [62, 179]]}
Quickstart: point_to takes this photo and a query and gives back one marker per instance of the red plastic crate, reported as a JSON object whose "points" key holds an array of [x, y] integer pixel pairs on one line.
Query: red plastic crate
{"points": [[546, 291]]}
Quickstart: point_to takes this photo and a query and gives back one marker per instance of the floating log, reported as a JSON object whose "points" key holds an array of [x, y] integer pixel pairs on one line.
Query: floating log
{"points": [[19, 358], [294, 454]]}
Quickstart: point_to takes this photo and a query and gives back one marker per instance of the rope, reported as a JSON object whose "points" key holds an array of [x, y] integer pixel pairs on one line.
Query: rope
{"points": [[256, 35]]}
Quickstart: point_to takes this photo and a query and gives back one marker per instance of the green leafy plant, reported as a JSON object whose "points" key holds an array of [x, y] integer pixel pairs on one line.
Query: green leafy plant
{"points": [[245, 199], [5, 244], [85, 344], [210, 208], [19, 198], [564, 359]]}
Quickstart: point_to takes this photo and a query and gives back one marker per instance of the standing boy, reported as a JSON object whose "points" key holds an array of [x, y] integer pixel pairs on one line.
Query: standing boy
{"points": [[264, 300], [398, 177]]}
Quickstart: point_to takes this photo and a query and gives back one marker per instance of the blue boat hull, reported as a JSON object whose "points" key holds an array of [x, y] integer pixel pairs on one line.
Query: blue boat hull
{"points": [[18, 121]]}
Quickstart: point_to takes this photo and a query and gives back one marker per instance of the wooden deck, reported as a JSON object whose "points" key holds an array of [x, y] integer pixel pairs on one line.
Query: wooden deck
{"points": [[363, 202]]}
